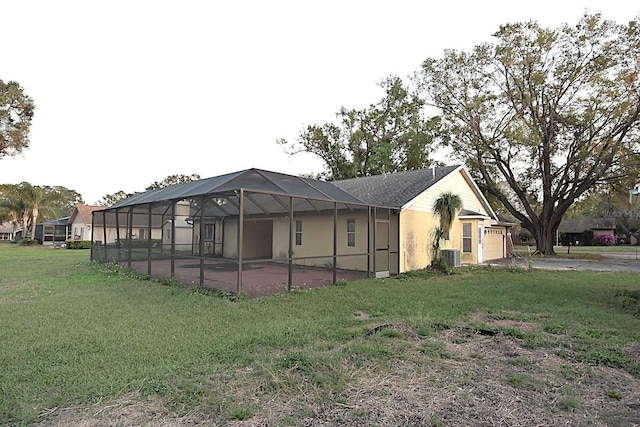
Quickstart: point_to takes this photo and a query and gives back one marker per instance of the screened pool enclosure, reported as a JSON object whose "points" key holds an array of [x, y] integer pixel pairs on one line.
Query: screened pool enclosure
{"points": [[253, 232]]}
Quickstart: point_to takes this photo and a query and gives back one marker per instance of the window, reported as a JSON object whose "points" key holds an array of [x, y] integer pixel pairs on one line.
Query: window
{"points": [[141, 233], [351, 232], [298, 233], [466, 237], [209, 230]]}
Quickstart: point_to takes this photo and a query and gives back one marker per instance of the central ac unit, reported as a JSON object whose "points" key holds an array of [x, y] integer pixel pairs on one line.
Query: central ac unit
{"points": [[451, 256]]}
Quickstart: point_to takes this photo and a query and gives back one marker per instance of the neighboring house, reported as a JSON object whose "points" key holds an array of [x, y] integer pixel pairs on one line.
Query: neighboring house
{"points": [[476, 232], [53, 232], [573, 229], [80, 221], [8, 231], [135, 225]]}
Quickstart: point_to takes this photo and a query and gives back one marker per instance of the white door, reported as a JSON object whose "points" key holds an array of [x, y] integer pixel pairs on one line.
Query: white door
{"points": [[480, 243]]}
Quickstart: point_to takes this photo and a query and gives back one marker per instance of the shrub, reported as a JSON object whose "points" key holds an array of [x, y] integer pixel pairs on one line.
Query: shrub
{"points": [[524, 236], [78, 244], [587, 238], [605, 240]]}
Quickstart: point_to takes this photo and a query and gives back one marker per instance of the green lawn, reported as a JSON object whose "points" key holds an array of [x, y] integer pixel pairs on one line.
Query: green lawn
{"points": [[523, 249], [73, 334]]}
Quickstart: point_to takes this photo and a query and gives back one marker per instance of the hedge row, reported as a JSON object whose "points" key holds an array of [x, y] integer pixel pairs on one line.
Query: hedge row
{"points": [[78, 244]]}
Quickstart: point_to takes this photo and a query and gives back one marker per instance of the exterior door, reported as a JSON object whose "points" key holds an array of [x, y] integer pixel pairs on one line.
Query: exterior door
{"points": [[480, 243]]}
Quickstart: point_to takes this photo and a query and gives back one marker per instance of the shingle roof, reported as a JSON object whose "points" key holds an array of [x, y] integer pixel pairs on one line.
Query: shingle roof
{"points": [[579, 225], [6, 227], [396, 189], [84, 212], [58, 221]]}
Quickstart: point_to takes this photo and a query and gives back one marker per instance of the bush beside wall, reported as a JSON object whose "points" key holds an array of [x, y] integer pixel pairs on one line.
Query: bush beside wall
{"points": [[78, 244]]}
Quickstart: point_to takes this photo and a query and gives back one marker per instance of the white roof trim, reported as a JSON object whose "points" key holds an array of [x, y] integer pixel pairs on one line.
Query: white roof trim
{"points": [[479, 216]]}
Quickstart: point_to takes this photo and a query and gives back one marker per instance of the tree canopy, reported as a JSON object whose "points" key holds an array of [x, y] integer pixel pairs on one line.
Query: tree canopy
{"points": [[391, 135], [16, 112], [173, 180], [112, 199], [29, 204], [543, 116]]}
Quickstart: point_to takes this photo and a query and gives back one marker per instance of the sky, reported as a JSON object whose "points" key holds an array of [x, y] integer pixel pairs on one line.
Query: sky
{"points": [[130, 92]]}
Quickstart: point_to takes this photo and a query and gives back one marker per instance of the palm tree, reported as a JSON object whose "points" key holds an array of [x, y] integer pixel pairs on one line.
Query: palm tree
{"points": [[12, 200], [446, 206], [37, 200]]}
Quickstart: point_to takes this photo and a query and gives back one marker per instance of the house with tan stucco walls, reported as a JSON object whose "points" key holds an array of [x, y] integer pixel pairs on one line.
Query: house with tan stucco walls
{"points": [[256, 231], [476, 232]]}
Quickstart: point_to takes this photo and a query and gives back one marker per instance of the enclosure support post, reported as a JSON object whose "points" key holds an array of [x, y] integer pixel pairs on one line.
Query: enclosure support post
{"points": [[104, 233], [173, 239], [93, 240], [240, 239], [129, 236], [291, 232], [335, 242], [149, 241], [375, 242], [368, 241], [117, 234], [397, 241], [389, 240], [201, 239]]}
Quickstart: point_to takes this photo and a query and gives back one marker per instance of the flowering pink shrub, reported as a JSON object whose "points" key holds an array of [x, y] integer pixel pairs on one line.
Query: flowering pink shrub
{"points": [[605, 240]]}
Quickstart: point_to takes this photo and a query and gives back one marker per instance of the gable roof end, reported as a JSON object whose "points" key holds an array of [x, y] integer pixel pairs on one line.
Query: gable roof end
{"points": [[394, 190], [85, 213]]}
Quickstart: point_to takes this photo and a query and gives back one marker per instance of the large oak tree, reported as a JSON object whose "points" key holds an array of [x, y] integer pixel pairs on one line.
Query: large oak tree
{"points": [[389, 136], [543, 116]]}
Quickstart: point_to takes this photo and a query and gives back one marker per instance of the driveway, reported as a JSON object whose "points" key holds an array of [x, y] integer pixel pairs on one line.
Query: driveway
{"points": [[611, 262]]}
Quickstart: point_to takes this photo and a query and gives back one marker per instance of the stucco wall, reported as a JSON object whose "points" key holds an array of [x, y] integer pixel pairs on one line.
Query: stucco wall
{"points": [[417, 223], [317, 240], [416, 231], [183, 236], [112, 235], [80, 230]]}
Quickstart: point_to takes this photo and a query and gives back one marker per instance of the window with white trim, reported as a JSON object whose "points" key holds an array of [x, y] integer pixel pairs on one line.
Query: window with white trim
{"points": [[466, 237], [351, 232], [298, 233]]}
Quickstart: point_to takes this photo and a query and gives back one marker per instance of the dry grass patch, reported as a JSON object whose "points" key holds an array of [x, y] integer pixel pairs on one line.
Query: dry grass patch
{"points": [[455, 377]]}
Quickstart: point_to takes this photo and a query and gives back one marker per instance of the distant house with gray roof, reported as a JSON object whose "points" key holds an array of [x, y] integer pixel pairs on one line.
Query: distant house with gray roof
{"points": [[574, 229]]}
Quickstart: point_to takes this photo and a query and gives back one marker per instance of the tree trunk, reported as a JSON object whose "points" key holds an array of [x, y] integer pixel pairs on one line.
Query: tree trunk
{"points": [[35, 221], [545, 240], [25, 222], [545, 230]]}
